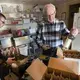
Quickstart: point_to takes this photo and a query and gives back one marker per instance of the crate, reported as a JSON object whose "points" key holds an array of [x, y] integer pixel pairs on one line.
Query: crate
{"points": [[57, 69], [71, 54]]}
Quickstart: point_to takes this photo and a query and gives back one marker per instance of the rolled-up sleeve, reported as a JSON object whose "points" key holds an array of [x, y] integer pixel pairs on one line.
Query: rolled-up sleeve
{"points": [[64, 30]]}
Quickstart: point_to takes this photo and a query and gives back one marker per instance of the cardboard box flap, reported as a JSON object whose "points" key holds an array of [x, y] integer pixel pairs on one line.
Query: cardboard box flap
{"points": [[37, 69], [11, 76], [77, 61], [64, 65]]}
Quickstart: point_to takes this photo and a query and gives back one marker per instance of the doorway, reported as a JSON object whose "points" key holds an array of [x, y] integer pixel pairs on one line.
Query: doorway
{"points": [[72, 9]]}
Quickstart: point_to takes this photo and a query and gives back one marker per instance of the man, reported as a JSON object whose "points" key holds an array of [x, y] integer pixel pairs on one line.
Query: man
{"points": [[4, 58], [50, 31], [2, 22]]}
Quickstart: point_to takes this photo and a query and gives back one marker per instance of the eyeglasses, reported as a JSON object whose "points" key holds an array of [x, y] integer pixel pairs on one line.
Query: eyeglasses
{"points": [[3, 21]]}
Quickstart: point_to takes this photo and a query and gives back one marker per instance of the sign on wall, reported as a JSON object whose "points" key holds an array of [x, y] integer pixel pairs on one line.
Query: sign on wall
{"points": [[11, 8]]}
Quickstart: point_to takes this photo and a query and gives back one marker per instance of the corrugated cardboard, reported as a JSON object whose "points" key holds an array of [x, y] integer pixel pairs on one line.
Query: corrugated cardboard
{"points": [[64, 65], [71, 54], [60, 52], [11, 76], [37, 69]]}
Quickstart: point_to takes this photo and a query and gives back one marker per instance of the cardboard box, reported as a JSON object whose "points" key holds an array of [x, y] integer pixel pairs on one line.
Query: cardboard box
{"points": [[11, 76], [22, 40], [72, 54], [57, 69], [37, 69]]}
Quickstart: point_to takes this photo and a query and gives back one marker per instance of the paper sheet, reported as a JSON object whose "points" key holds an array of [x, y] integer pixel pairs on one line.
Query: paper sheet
{"points": [[6, 42], [76, 43], [24, 50]]}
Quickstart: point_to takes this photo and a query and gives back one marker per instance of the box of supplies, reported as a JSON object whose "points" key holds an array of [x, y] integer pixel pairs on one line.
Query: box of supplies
{"points": [[71, 54], [57, 69], [22, 40]]}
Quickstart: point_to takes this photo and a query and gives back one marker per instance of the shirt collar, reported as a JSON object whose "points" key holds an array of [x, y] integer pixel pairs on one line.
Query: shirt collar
{"points": [[55, 20]]}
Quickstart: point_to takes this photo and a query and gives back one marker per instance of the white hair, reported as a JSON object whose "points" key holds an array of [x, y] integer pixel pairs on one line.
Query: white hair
{"points": [[48, 6]]}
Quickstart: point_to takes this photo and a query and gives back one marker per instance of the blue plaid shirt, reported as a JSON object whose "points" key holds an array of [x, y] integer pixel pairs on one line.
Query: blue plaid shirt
{"points": [[51, 33]]}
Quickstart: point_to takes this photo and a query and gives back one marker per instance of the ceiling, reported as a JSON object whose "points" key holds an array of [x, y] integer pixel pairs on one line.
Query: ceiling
{"points": [[31, 1]]}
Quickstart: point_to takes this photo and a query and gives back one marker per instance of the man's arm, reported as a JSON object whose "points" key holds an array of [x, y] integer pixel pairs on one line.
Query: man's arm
{"points": [[39, 36], [6, 59], [64, 29], [70, 36], [2, 57]]}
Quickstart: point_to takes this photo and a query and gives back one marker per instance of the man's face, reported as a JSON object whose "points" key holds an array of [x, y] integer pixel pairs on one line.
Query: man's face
{"points": [[2, 21], [50, 13]]}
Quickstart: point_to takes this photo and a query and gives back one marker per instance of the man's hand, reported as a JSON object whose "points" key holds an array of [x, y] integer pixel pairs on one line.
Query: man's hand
{"points": [[10, 60], [18, 63], [74, 31], [45, 47]]}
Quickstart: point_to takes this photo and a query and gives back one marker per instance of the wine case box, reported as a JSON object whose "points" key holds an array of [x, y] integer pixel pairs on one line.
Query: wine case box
{"points": [[57, 69], [71, 54]]}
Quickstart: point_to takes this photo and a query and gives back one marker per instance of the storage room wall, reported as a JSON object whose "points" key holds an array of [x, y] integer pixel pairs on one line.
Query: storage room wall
{"points": [[64, 7], [26, 7]]}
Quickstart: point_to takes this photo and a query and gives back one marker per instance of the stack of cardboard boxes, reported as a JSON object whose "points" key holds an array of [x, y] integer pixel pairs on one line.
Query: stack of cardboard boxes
{"points": [[57, 69]]}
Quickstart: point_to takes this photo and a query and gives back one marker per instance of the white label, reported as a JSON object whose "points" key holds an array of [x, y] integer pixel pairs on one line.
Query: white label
{"points": [[67, 43], [24, 50]]}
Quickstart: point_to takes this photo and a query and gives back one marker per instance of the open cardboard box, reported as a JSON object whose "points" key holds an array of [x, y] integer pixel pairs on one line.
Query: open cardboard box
{"points": [[71, 54], [70, 68], [68, 53]]}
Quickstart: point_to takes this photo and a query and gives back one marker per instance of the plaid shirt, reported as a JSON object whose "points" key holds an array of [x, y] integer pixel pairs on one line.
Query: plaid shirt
{"points": [[51, 34]]}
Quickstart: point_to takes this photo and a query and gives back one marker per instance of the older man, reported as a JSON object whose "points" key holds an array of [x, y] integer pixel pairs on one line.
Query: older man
{"points": [[50, 31]]}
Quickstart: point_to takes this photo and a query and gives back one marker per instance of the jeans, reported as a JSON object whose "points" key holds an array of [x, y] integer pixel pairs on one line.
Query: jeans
{"points": [[50, 52], [4, 71]]}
